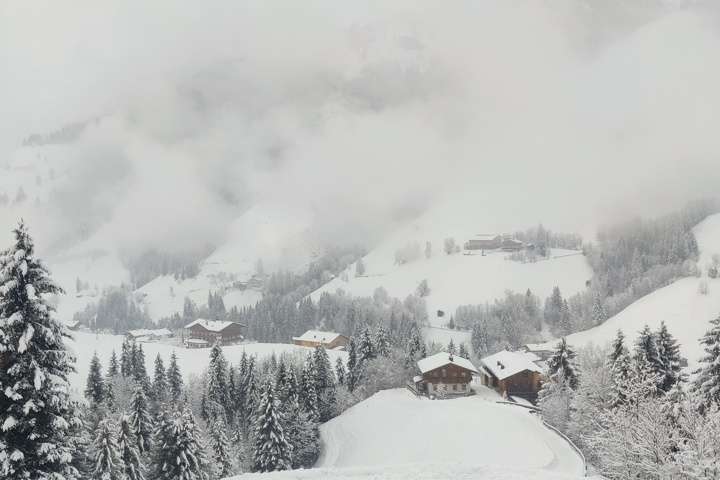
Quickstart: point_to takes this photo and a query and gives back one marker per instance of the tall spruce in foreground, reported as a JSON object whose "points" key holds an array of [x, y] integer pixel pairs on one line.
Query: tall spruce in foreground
{"points": [[669, 353], [129, 454], [95, 389], [181, 453], [38, 414], [562, 362], [707, 383], [140, 419], [271, 449], [174, 380], [106, 453]]}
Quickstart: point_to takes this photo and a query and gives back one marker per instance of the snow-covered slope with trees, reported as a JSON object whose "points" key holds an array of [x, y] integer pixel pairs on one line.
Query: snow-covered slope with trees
{"points": [[684, 309]]}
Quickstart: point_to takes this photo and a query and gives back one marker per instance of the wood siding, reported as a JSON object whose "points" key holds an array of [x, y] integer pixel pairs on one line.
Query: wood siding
{"points": [[340, 341], [227, 336]]}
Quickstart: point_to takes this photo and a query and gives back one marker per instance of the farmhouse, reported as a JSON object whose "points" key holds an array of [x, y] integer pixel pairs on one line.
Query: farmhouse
{"points": [[73, 325], [145, 335], [329, 340], [212, 331], [510, 244], [484, 242], [538, 349], [512, 372], [444, 375]]}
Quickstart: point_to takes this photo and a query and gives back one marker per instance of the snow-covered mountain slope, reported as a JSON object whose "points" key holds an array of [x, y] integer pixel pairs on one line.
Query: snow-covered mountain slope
{"points": [[393, 427], [191, 361], [459, 279], [439, 471], [684, 309]]}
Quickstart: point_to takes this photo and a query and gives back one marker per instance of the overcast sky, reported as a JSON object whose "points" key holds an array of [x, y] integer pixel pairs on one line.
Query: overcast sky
{"points": [[566, 112]]}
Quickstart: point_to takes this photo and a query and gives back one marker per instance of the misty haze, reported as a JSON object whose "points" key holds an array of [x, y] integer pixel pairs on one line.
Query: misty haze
{"points": [[246, 237]]}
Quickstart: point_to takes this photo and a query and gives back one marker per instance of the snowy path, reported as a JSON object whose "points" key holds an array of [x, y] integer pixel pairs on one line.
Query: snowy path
{"points": [[393, 427]]}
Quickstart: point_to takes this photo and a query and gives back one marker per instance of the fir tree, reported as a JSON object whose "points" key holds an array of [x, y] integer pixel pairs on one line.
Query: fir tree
{"points": [[367, 348], [622, 378], [140, 419], [669, 354], [707, 382], [128, 451], [39, 417], [353, 369], [382, 343], [125, 360], [308, 396], [182, 453], [220, 450], [95, 389], [340, 371], [174, 380], [106, 453], [451, 347], [647, 358], [598, 311], [324, 383], [617, 349], [217, 391], [271, 450], [302, 432], [565, 324], [159, 387], [464, 352], [563, 360], [113, 367], [140, 371]]}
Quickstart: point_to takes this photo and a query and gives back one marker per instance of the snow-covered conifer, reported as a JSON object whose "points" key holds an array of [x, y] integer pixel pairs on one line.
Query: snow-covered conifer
{"points": [[463, 353], [647, 358], [562, 361], [159, 386], [106, 454], [451, 347], [39, 415], [181, 453], [366, 350], [140, 419], [220, 450], [113, 366], [707, 383], [340, 371], [669, 354], [95, 389], [174, 380], [125, 359], [216, 390], [598, 311], [382, 342], [128, 452], [271, 450]]}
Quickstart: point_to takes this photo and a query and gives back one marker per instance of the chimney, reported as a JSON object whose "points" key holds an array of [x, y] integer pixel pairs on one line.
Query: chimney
{"points": [[451, 357]]}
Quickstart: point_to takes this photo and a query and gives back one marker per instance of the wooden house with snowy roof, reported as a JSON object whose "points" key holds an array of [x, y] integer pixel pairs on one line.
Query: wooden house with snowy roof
{"points": [[329, 340], [444, 375], [513, 373], [204, 333]]}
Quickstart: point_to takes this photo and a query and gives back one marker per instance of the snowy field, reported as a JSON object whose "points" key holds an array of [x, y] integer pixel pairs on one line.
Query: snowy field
{"points": [[393, 427], [684, 309], [437, 471], [191, 361]]}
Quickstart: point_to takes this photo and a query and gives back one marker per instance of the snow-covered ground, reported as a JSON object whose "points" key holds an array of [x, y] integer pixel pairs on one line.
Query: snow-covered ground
{"points": [[393, 427], [437, 471], [684, 309], [191, 361]]}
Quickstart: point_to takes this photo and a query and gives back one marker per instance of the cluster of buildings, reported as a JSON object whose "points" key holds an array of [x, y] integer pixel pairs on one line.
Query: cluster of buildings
{"points": [[490, 241]]}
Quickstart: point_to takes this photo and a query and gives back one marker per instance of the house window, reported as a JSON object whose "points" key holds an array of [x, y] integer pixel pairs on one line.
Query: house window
{"points": [[464, 386], [444, 374], [462, 375], [454, 375], [454, 386], [434, 374], [524, 374]]}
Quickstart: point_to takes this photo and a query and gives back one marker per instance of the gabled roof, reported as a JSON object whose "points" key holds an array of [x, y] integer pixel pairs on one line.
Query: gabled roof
{"points": [[486, 236], [211, 325], [537, 347], [318, 336], [506, 364], [443, 358]]}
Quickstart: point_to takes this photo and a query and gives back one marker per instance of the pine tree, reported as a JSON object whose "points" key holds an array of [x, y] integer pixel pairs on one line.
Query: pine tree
{"points": [[617, 349], [302, 432], [324, 383], [217, 391], [451, 347], [464, 352], [271, 452], [113, 367], [308, 396], [623, 377], [159, 387], [382, 344], [39, 417], [340, 371], [141, 421], [174, 380], [106, 453], [220, 450], [140, 371], [367, 348], [598, 311], [707, 382], [669, 354], [125, 359], [563, 360], [353, 369], [565, 324], [128, 452], [181, 455], [95, 389], [647, 358]]}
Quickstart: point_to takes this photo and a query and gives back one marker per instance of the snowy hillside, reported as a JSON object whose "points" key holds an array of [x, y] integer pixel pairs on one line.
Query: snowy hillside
{"points": [[458, 279], [191, 361], [684, 309]]}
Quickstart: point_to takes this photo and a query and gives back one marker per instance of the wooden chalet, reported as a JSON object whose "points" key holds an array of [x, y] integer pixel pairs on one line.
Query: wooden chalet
{"points": [[510, 244], [444, 375], [484, 242], [513, 373], [205, 333], [538, 349], [329, 340], [146, 335], [73, 325]]}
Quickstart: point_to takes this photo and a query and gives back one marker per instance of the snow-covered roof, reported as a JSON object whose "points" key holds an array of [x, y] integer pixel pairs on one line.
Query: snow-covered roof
{"points": [[529, 356], [535, 347], [211, 325], [197, 341], [443, 358], [506, 364], [486, 236], [143, 332], [317, 336], [71, 323]]}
